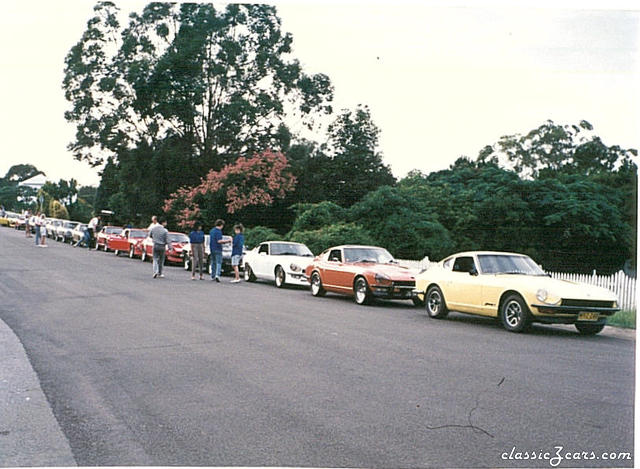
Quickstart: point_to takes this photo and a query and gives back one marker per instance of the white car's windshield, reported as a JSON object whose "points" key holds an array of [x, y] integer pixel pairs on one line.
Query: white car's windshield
{"points": [[290, 249], [376, 255], [508, 264]]}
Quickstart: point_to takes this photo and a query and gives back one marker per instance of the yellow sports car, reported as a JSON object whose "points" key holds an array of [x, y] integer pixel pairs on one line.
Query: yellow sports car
{"points": [[515, 289]]}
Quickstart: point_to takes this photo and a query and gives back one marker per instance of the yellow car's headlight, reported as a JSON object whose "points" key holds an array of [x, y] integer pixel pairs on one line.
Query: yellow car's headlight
{"points": [[542, 295]]}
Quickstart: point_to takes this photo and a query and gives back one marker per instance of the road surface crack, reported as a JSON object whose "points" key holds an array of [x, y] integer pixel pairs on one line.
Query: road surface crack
{"points": [[470, 424]]}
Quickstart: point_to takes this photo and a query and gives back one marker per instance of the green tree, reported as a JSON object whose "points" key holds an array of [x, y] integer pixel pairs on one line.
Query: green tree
{"points": [[552, 148], [217, 78], [356, 166], [332, 235], [259, 234], [405, 225]]}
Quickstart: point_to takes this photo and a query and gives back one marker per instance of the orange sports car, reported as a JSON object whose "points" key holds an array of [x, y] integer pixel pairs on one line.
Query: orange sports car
{"points": [[364, 272]]}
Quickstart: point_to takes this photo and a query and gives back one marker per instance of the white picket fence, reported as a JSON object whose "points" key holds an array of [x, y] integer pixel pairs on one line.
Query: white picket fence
{"points": [[619, 283]]}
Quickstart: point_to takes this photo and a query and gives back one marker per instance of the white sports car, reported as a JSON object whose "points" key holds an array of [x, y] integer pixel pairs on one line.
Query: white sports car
{"points": [[281, 261]]}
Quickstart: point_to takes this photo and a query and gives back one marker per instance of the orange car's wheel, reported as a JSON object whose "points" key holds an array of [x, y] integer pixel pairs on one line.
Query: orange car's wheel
{"points": [[361, 291], [316, 285], [143, 255], [132, 253], [435, 304]]}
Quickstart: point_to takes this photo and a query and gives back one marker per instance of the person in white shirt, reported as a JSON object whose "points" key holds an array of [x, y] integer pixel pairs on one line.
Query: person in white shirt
{"points": [[92, 228]]}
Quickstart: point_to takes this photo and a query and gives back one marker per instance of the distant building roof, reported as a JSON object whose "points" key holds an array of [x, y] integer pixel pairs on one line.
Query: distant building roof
{"points": [[35, 182]]}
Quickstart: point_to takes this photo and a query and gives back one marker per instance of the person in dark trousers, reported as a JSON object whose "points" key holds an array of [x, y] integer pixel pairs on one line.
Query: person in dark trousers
{"points": [[160, 236], [236, 252], [215, 244], [196, 239]]}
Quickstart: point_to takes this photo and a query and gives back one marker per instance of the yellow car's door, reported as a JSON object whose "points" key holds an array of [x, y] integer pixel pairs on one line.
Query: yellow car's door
{"points": [[463, 289]]}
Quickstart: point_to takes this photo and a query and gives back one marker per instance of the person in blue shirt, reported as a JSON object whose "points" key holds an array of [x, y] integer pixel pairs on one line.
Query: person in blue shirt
{"points": [[215, 244], [196, 240], [236, 252]]}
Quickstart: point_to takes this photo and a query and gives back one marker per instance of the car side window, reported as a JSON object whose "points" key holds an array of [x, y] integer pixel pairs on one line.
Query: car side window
{"points": [[264, 248], [335, 256], [464, 264], [447, 264]]}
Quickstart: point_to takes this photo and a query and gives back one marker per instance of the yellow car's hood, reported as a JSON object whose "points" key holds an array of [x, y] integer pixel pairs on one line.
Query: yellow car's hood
{"points": [[557, 288]]}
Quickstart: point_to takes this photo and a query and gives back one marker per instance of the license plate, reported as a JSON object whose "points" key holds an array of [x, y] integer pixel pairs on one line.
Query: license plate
{"points": [[588, 316]]}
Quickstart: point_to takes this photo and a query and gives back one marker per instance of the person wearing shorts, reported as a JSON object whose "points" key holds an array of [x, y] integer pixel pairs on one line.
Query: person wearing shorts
{"points": [[236, 251]]}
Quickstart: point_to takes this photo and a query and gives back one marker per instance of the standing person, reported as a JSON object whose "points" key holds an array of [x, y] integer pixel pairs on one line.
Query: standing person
{"points": [[27, 221], [236, 252], [37, 221], [92, 228], [154, 223], [196, 239], [43, 231], [215, 244], [160, 236]]}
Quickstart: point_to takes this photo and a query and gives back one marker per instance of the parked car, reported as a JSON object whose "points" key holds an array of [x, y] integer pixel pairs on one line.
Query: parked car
{"points": [[64, 231], [187, 257], [7, 218], [364, 272], [126, 240], [78, 232], [20, 222], [280, 261], [513, 288], [177, 242], [106, 233], [13, 218], [50, 225]]}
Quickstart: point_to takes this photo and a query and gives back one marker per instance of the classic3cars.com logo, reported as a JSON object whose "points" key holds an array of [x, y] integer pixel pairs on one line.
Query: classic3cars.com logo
{"points": [[560, 454]]}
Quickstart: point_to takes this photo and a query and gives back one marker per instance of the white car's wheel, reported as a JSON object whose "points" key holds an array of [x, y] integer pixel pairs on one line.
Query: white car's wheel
{"points": [[280, 277], [249, 276]]}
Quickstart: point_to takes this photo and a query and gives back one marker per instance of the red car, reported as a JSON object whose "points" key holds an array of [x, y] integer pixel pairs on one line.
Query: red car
{"points": [[177, 242], [364, 272], [126, 241], [106, 233]]}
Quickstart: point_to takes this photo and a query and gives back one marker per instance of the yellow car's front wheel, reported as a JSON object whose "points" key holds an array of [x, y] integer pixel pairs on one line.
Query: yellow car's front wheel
{"points": [[514, 314]]}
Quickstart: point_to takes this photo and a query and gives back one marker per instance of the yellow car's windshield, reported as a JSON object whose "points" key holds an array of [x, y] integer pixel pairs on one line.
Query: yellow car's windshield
{"points": [[508, 264]]}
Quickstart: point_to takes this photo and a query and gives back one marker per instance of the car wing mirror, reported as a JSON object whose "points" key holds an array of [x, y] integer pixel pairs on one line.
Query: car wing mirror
{"points": [[473, 272]]}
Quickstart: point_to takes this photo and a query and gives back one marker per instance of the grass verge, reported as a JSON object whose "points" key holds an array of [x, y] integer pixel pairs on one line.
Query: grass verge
{"points": [[625, 318]]}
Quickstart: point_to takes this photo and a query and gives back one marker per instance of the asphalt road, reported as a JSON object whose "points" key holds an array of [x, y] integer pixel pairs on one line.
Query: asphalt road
{"points": [[173, 372]]}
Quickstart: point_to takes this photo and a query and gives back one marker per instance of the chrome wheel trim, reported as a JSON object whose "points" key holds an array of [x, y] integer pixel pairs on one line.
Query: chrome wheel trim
{"points": [[315, 283], [434, 302], [361, 291], [513, 313], [279, 276]]}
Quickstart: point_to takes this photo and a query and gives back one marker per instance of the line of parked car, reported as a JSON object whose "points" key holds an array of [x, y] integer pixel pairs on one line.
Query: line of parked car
{"points": [[510, 287]]}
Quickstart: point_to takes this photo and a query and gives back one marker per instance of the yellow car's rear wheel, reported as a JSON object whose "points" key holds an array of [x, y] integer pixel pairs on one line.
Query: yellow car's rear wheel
{"points": [[434, 303]]}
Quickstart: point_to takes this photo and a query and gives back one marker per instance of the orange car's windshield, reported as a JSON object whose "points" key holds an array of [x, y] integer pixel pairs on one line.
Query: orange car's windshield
{"points": [[376, 255], [508, 264]]}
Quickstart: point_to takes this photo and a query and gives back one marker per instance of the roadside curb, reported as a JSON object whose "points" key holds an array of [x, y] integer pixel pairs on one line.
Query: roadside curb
{"points": [[29, 433]]}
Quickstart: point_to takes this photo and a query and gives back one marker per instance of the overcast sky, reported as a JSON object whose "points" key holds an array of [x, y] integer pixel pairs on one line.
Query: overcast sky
{"points": [[442, 79]]}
